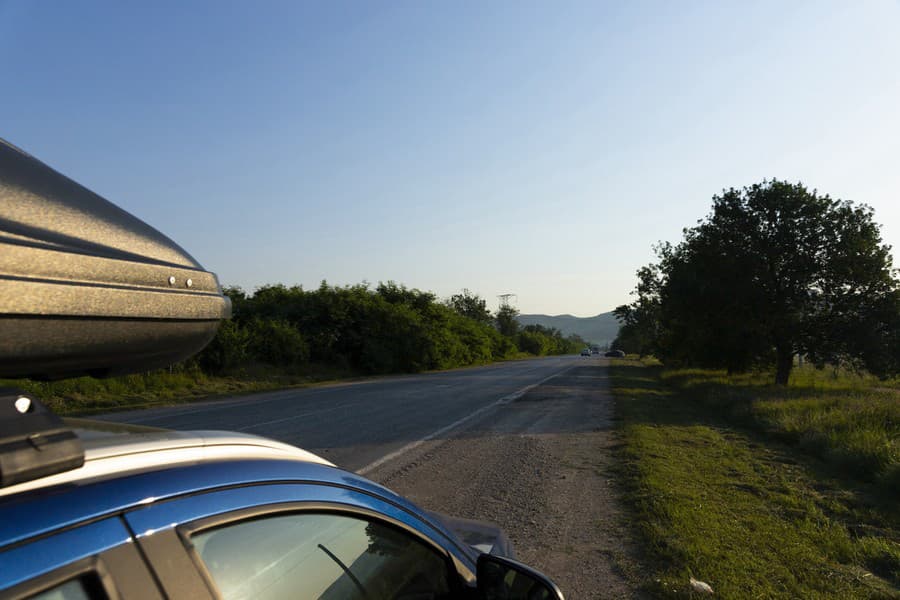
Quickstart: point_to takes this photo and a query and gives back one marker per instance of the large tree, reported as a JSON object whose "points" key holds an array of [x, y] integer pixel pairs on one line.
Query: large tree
{"points": [[639, 321], [507, 320], [773, 271]]}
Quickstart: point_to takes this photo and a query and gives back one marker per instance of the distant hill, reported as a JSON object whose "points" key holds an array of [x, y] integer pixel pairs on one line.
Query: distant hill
{"points": [[600, 330]]}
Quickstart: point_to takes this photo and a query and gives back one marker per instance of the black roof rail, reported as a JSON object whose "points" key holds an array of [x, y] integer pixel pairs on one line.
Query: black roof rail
{"points": [[34, 442]]}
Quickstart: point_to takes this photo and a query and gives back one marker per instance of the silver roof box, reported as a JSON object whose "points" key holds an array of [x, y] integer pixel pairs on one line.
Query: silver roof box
{"points": [[88, 289]]}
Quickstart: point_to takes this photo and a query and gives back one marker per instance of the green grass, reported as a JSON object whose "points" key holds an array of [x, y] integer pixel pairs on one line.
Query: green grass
{"points": [[762, 491], [87, 395], [850, 422]]}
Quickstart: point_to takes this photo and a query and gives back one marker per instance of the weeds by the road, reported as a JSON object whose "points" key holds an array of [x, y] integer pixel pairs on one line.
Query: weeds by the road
{"points": [[87, 395], [851, 423], [763, 491]]}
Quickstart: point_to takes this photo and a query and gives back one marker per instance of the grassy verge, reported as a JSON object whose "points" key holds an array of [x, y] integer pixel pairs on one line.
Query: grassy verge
{"points": [[86, 395], [762, 491]]}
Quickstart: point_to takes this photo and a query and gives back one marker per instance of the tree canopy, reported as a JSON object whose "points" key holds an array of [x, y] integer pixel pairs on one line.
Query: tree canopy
{"points": [[774, 270], [507, 320], [470, 305]]}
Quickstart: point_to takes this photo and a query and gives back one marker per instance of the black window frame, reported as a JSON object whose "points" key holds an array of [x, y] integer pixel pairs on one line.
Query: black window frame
{"points": [[111, 574], [458, 589], [92, 571]]}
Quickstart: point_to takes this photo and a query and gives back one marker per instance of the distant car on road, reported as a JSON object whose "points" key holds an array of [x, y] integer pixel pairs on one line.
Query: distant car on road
{"points": [[586, 352], [615, 354], [595, 351]]}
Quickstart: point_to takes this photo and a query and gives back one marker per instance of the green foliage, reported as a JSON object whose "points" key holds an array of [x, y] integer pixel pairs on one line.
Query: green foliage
{"points": [[774, 271], [228, 350], [540, 341], [276, 342], [502, 345], [534, 343], [476, 343], [639, 330], [507, 323], [470, 305], [389, 329]]}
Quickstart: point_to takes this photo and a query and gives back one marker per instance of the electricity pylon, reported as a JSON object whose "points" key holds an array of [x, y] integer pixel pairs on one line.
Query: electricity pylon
{"points": [[504, 299]]}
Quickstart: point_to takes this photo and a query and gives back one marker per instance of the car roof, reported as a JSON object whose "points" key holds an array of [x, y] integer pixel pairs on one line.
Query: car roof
{"points": [[150, 467], [127, 467], [42, 511], [113, 449]]}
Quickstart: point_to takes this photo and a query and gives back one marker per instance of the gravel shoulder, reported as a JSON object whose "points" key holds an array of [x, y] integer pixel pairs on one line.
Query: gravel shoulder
{"points": [[540, 467]]}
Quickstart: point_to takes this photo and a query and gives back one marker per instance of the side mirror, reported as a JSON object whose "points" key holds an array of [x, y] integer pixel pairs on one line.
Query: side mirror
{"points": [[502, 578]]}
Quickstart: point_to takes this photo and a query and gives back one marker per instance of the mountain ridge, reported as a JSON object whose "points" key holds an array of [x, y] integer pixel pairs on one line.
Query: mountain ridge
{"points": [[600, 329]]}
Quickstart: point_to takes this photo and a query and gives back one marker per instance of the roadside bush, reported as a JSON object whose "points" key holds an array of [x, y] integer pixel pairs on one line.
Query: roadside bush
{"points": [[501, 346], [393, 340], [228, 350], [473, 343], [389, 329], [276, 342], [534, 343]]}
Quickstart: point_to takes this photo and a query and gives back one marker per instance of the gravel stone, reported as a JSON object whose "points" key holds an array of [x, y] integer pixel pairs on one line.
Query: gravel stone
{"points": [[538, 467]]}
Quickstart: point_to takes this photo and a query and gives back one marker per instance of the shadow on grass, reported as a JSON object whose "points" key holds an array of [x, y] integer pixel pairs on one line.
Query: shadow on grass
{"points": [[844, 432], [813, 445]]}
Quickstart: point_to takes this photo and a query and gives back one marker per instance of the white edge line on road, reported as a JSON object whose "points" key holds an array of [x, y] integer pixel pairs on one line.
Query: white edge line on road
{"points": [[299, 416], [179, 410], [410, 446]]}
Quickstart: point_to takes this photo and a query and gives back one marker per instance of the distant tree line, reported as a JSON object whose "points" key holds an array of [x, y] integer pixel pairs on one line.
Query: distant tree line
{"points": [[775, 271], [388, 329]]}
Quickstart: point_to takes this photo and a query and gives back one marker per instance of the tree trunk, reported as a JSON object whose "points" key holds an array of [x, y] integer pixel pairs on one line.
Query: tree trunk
{"points": [[784, 362]]}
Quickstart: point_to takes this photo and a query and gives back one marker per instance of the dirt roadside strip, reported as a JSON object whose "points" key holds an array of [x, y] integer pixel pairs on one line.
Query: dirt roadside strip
{"points": [[540, 467]]}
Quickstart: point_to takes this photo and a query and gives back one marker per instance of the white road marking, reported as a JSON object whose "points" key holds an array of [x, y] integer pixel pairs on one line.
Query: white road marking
{"points": [[412, 445], [294, 417], [168, 412]]}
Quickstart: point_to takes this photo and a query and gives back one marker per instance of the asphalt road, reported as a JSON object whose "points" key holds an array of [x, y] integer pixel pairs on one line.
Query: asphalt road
{"points": [[361, 425]]}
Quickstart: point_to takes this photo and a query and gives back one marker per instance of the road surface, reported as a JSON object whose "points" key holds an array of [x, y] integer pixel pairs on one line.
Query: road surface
{"points": [[359, 425]]}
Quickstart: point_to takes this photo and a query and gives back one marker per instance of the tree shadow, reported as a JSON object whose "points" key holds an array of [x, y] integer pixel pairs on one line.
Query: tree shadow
{"points": [[651, 396]]}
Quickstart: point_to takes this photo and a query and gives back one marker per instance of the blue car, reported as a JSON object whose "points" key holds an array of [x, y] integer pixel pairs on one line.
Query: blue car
{"points": [[142, 513], [104, 511]]}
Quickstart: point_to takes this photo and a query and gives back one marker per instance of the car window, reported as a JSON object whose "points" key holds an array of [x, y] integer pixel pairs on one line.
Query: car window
{"points": [[320, 556], [70, 590]]}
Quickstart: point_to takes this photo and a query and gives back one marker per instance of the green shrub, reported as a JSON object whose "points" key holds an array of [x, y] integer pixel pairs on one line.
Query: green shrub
{"points": [[276, 342]]}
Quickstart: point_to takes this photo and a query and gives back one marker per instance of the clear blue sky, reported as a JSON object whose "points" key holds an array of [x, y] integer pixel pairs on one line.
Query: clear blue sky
{"points": [[505, 147]]}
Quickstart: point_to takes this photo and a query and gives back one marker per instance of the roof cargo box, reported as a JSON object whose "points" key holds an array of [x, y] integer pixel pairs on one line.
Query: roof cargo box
{"points": [[87, 288]]}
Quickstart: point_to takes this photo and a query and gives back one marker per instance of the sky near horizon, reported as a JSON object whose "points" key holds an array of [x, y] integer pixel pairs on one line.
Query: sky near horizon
{"points": [[532, 148]]}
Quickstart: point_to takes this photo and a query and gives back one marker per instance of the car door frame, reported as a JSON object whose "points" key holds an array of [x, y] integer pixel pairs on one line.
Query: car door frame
{"points": [[103, 551], [163, 529]]}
